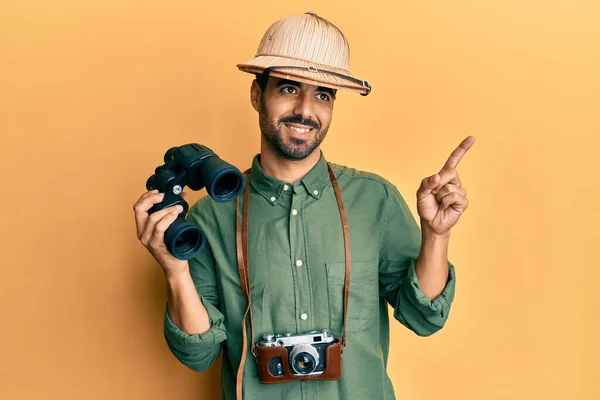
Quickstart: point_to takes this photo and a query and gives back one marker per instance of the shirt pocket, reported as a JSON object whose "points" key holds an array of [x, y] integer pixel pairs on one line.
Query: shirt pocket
{"points": [[363, 298]]}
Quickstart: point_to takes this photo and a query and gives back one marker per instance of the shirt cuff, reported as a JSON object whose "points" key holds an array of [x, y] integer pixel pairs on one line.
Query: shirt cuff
{"points": [[437, 306], [183, 341]]}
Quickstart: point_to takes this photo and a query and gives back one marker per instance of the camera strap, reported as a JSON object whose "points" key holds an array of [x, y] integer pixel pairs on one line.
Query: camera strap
{"points": [[241, 238]]}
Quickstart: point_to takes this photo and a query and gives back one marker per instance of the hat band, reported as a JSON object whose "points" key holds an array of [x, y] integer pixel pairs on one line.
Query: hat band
{"points": [[298, 59], [364, 84]]}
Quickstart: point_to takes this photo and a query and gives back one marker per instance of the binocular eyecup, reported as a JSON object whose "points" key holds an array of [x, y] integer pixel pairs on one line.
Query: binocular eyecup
{"points": [[223, 181], [184, 239]]}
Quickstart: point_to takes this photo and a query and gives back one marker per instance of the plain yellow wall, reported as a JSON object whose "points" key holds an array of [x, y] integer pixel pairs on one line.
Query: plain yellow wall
{"points": [[93, 93]]}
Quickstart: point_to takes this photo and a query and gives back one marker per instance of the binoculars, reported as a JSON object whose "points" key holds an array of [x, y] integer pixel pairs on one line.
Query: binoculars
{"points": [[198, 167]]}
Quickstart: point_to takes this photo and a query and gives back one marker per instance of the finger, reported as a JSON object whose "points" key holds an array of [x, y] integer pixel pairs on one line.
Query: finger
{"points": [[459, 152], [447, 176], [450, 188], [141, 208], [157, 241], [454, 200], [153, 219], [144, 196], [427, 185]]}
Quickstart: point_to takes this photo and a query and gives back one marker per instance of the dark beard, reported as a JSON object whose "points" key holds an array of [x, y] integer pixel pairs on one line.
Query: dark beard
{"points": [[295, 149]]}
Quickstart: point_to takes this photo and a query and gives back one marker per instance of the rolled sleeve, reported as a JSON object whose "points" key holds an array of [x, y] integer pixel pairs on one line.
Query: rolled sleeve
{"points": [[197, 351], [416, 311]]}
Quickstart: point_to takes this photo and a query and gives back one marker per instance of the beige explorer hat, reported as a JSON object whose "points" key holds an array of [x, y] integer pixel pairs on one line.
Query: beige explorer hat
{"points": [[306, 48]]}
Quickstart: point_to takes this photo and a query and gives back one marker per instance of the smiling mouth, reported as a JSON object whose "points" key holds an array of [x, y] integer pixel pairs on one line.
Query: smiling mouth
{"points": [[301, 129]]}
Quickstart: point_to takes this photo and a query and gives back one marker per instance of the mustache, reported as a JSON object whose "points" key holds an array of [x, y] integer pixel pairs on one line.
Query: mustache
{"points": [[296, 119]]}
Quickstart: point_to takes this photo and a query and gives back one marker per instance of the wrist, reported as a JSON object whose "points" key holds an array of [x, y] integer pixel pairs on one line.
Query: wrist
{"points": [[176, 275], [430, 236]]}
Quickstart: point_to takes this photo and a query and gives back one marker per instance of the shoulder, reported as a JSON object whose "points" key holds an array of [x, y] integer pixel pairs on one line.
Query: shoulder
{"points": [[366, 180], [375, 190], [208, 211]]}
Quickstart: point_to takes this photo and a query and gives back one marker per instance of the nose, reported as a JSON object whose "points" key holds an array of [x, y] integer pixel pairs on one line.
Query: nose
{"points": [[304, 107]]}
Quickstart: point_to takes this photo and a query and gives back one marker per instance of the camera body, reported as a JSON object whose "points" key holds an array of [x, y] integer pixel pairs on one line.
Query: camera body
{"points": [[198, 167], [301, 356]]}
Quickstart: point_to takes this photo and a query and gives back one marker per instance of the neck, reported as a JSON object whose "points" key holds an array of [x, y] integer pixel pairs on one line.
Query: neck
{"points": [[291, 171]]}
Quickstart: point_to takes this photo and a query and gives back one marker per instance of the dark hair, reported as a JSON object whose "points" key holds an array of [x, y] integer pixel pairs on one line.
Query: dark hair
{"points": [[262, 81]]}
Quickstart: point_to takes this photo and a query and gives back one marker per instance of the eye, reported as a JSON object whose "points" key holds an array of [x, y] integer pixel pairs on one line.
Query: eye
{"points": [[289, 89], [324, 96]]}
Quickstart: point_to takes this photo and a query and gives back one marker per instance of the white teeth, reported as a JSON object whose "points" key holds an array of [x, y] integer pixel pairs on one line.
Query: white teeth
{"points": [[299, 130]]}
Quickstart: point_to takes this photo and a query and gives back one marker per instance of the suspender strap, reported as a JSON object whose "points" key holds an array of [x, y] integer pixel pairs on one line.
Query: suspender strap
{"points": [[347, 254], [241, 236], [242, 254]]}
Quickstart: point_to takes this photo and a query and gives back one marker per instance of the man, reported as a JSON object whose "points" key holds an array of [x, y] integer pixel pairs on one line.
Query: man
{"points": [[296, 253]]}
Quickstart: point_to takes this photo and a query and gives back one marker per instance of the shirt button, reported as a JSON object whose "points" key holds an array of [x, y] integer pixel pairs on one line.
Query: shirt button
{"points": [[316, 192], [273, 198], [285, 187], [299, 263], [294, 212], [304, 316]]}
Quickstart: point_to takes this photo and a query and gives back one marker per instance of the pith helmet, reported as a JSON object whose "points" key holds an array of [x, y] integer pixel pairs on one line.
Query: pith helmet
{"points": [[306, 48]]}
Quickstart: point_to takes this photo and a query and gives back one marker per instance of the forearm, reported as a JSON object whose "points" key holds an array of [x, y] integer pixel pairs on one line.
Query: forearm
{"points": [[184, 305], [432, 263]]}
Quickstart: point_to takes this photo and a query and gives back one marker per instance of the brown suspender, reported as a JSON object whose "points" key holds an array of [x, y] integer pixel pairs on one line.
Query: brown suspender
{"points": [[347, 254], [242, 254], [241, 238]]}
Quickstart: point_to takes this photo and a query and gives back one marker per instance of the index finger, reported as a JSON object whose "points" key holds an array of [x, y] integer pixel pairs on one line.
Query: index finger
{"points": [[459, 152]]}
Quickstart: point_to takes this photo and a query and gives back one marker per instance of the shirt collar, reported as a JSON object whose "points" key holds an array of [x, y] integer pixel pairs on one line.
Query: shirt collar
{"points": [[272, 189]]}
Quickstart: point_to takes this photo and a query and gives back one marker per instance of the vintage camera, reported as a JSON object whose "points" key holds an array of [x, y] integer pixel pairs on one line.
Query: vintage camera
{"points": [[300, 356]]}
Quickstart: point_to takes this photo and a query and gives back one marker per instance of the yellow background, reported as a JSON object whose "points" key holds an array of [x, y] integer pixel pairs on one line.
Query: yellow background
{"points": [[93, 93]]}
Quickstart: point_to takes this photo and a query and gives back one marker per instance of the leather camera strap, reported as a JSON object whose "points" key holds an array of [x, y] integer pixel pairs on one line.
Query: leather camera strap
{"points": [[241, 237]]}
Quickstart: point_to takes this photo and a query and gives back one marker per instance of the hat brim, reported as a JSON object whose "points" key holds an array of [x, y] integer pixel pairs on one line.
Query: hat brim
{"points": [[319, 78]]}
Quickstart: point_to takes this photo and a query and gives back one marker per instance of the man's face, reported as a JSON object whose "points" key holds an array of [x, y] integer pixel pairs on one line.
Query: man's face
{"points": [[294, 117]]}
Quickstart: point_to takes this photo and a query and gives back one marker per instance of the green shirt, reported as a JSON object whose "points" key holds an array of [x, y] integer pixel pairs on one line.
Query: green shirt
{"points": [[296, 264]]}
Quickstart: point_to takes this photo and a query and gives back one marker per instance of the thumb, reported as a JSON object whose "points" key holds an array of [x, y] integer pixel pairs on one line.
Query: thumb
{"points": [[427, 185]]}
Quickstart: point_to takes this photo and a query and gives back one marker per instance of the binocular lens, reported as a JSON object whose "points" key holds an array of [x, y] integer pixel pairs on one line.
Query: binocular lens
{"points": [[183, 239], [223, 181], [227, 186]]}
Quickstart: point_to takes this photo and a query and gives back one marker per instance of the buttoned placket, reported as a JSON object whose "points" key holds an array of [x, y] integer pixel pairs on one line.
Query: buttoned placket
{"points": [[298, 260]]}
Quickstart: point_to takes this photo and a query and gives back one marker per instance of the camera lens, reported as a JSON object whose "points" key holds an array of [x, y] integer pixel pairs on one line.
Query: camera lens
{"points": [[304, 359], [304, 363]]}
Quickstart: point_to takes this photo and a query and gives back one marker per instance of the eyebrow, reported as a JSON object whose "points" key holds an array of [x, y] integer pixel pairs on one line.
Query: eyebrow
{"points": [[284, 82]]}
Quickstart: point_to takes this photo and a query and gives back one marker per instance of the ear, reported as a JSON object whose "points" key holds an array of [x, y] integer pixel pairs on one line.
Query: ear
{"points": [[255, 94]]}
